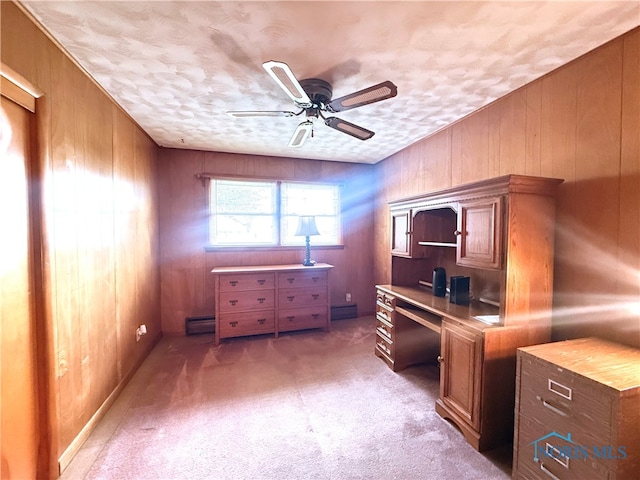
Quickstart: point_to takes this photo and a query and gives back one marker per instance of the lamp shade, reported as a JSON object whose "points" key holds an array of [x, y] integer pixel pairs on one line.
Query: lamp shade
{"points": [[306, 226]]}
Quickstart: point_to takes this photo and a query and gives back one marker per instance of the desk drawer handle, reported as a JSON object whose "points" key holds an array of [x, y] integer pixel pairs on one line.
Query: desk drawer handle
{"points": [[261, 281], [233, 283], [551, 407], [291, 297], [233, 302], [261, 299], [291, 318], [233, 324], [559, 389], [545, 470], [290, 280], [315, 296], [262, 320]]}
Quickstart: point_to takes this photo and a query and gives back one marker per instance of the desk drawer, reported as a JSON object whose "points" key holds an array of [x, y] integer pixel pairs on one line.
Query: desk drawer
{"points": [[247, 300], [385, 299], [246, 281], [302, 318], [302, 279], [293, 297], [249, 323]]}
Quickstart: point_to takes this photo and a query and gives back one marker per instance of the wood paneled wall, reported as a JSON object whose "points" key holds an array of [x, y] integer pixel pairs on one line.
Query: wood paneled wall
{"points": [[187, 284], [579, 123], [96, 175]]}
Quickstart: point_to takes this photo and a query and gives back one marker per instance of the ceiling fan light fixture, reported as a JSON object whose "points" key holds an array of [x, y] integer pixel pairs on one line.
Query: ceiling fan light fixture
{"points": [[302, 132], [284, 77]]}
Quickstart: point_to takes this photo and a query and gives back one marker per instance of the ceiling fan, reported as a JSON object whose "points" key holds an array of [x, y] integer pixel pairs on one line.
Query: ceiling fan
{"points": [[312, 96]]}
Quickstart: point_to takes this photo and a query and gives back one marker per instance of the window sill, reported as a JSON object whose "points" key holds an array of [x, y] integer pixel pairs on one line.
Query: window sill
{"points": [[268, 248]]}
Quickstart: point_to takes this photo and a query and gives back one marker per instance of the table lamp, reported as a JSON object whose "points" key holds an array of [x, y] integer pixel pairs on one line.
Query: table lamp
{"points": [[306, 228]]}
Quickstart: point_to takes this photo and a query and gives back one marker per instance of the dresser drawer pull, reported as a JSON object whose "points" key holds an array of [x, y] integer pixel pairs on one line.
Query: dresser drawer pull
{"points": [[315, 279], [290, 280], [261, 299], [315, 316], [560, 389], [551, 407], [233, 283], [233, 324], [315, 296], [291, 318], [233, 302], [291, 297], [544, 469], [261, 321], [261, 281]]}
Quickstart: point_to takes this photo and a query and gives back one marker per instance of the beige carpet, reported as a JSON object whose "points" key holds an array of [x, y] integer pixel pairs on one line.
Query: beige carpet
{"points": [[308, 405]]}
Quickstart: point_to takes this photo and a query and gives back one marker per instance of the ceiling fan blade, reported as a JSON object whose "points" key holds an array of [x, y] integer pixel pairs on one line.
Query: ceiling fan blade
{"points": [[284, 77], [373, 94], [302, 132], [248, 113], [349, 128]]}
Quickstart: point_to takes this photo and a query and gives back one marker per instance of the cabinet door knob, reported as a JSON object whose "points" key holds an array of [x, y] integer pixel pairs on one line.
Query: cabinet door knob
{"points": [[440, 359], [457, 233]]}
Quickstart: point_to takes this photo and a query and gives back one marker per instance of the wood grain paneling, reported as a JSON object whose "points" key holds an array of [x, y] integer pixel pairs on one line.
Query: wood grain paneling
{"points": [[579, 123], [97, 216], [187, 284]]}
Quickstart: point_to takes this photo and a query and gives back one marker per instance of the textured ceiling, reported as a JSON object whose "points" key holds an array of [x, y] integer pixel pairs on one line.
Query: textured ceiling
{"points": [[177, 67]]}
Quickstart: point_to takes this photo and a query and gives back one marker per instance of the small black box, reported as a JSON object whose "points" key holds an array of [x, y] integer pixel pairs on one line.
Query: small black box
{"points": [[459, 290]]}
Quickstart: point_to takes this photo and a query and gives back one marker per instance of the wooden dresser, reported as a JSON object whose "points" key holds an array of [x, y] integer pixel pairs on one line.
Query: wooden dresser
{"points": [[577, 411], [253, 300]]}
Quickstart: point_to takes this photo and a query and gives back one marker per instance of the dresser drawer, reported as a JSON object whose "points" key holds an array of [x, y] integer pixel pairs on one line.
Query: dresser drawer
{"points": [[249, 323], [293, 297], [302, 318], [564, 400], [302, 279], [246, 281], [546, 453], [247, 300]]}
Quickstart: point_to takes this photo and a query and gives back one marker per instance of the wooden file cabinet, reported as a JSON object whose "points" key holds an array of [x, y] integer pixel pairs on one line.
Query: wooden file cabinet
{"points": [[253, 300], [582, 398]]}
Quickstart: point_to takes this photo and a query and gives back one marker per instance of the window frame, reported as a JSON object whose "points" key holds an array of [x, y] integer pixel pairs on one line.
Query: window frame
{"points": [[278, 214]]}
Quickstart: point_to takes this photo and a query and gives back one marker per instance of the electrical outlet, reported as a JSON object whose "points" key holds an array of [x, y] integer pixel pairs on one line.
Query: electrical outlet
{"points": [[348, 297]]}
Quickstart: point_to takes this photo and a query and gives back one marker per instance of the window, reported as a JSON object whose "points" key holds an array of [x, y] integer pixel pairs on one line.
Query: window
{"points": [[265, 213]]}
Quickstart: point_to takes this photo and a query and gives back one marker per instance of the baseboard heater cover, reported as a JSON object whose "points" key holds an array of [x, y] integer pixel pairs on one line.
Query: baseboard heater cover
{"points": [[339, 312], [204, 324]]}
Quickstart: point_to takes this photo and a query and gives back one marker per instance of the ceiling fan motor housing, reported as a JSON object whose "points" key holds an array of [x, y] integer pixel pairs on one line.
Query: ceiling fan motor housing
{"points": [[318, 90]]}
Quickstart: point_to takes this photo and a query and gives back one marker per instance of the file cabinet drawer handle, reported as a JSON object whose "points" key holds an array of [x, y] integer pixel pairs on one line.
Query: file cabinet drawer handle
{"points": [[559, 389], [548, 472], [551, 407]]}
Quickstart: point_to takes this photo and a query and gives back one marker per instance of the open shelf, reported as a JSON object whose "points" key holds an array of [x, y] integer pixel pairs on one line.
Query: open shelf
{"points": [[422, 317], [437, 244]]}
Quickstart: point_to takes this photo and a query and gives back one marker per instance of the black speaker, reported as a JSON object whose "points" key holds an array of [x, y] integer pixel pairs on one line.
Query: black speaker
{"points": [[439, 282], [459, 290]]}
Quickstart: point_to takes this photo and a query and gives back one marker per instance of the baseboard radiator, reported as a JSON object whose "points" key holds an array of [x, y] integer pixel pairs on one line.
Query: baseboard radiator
{"points": [[339, 312]]}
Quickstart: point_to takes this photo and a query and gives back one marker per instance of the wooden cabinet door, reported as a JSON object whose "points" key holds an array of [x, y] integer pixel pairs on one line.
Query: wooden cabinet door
{"points": [[460, 370], [401, 233], [479, 234]]}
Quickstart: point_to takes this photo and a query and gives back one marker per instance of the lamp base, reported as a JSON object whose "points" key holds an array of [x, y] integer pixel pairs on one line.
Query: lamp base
{"points": [[308, 263], [307, 254]]}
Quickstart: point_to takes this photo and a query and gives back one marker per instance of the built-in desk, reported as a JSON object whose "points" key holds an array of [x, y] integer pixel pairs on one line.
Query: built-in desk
{"points": [[476, 358]]}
